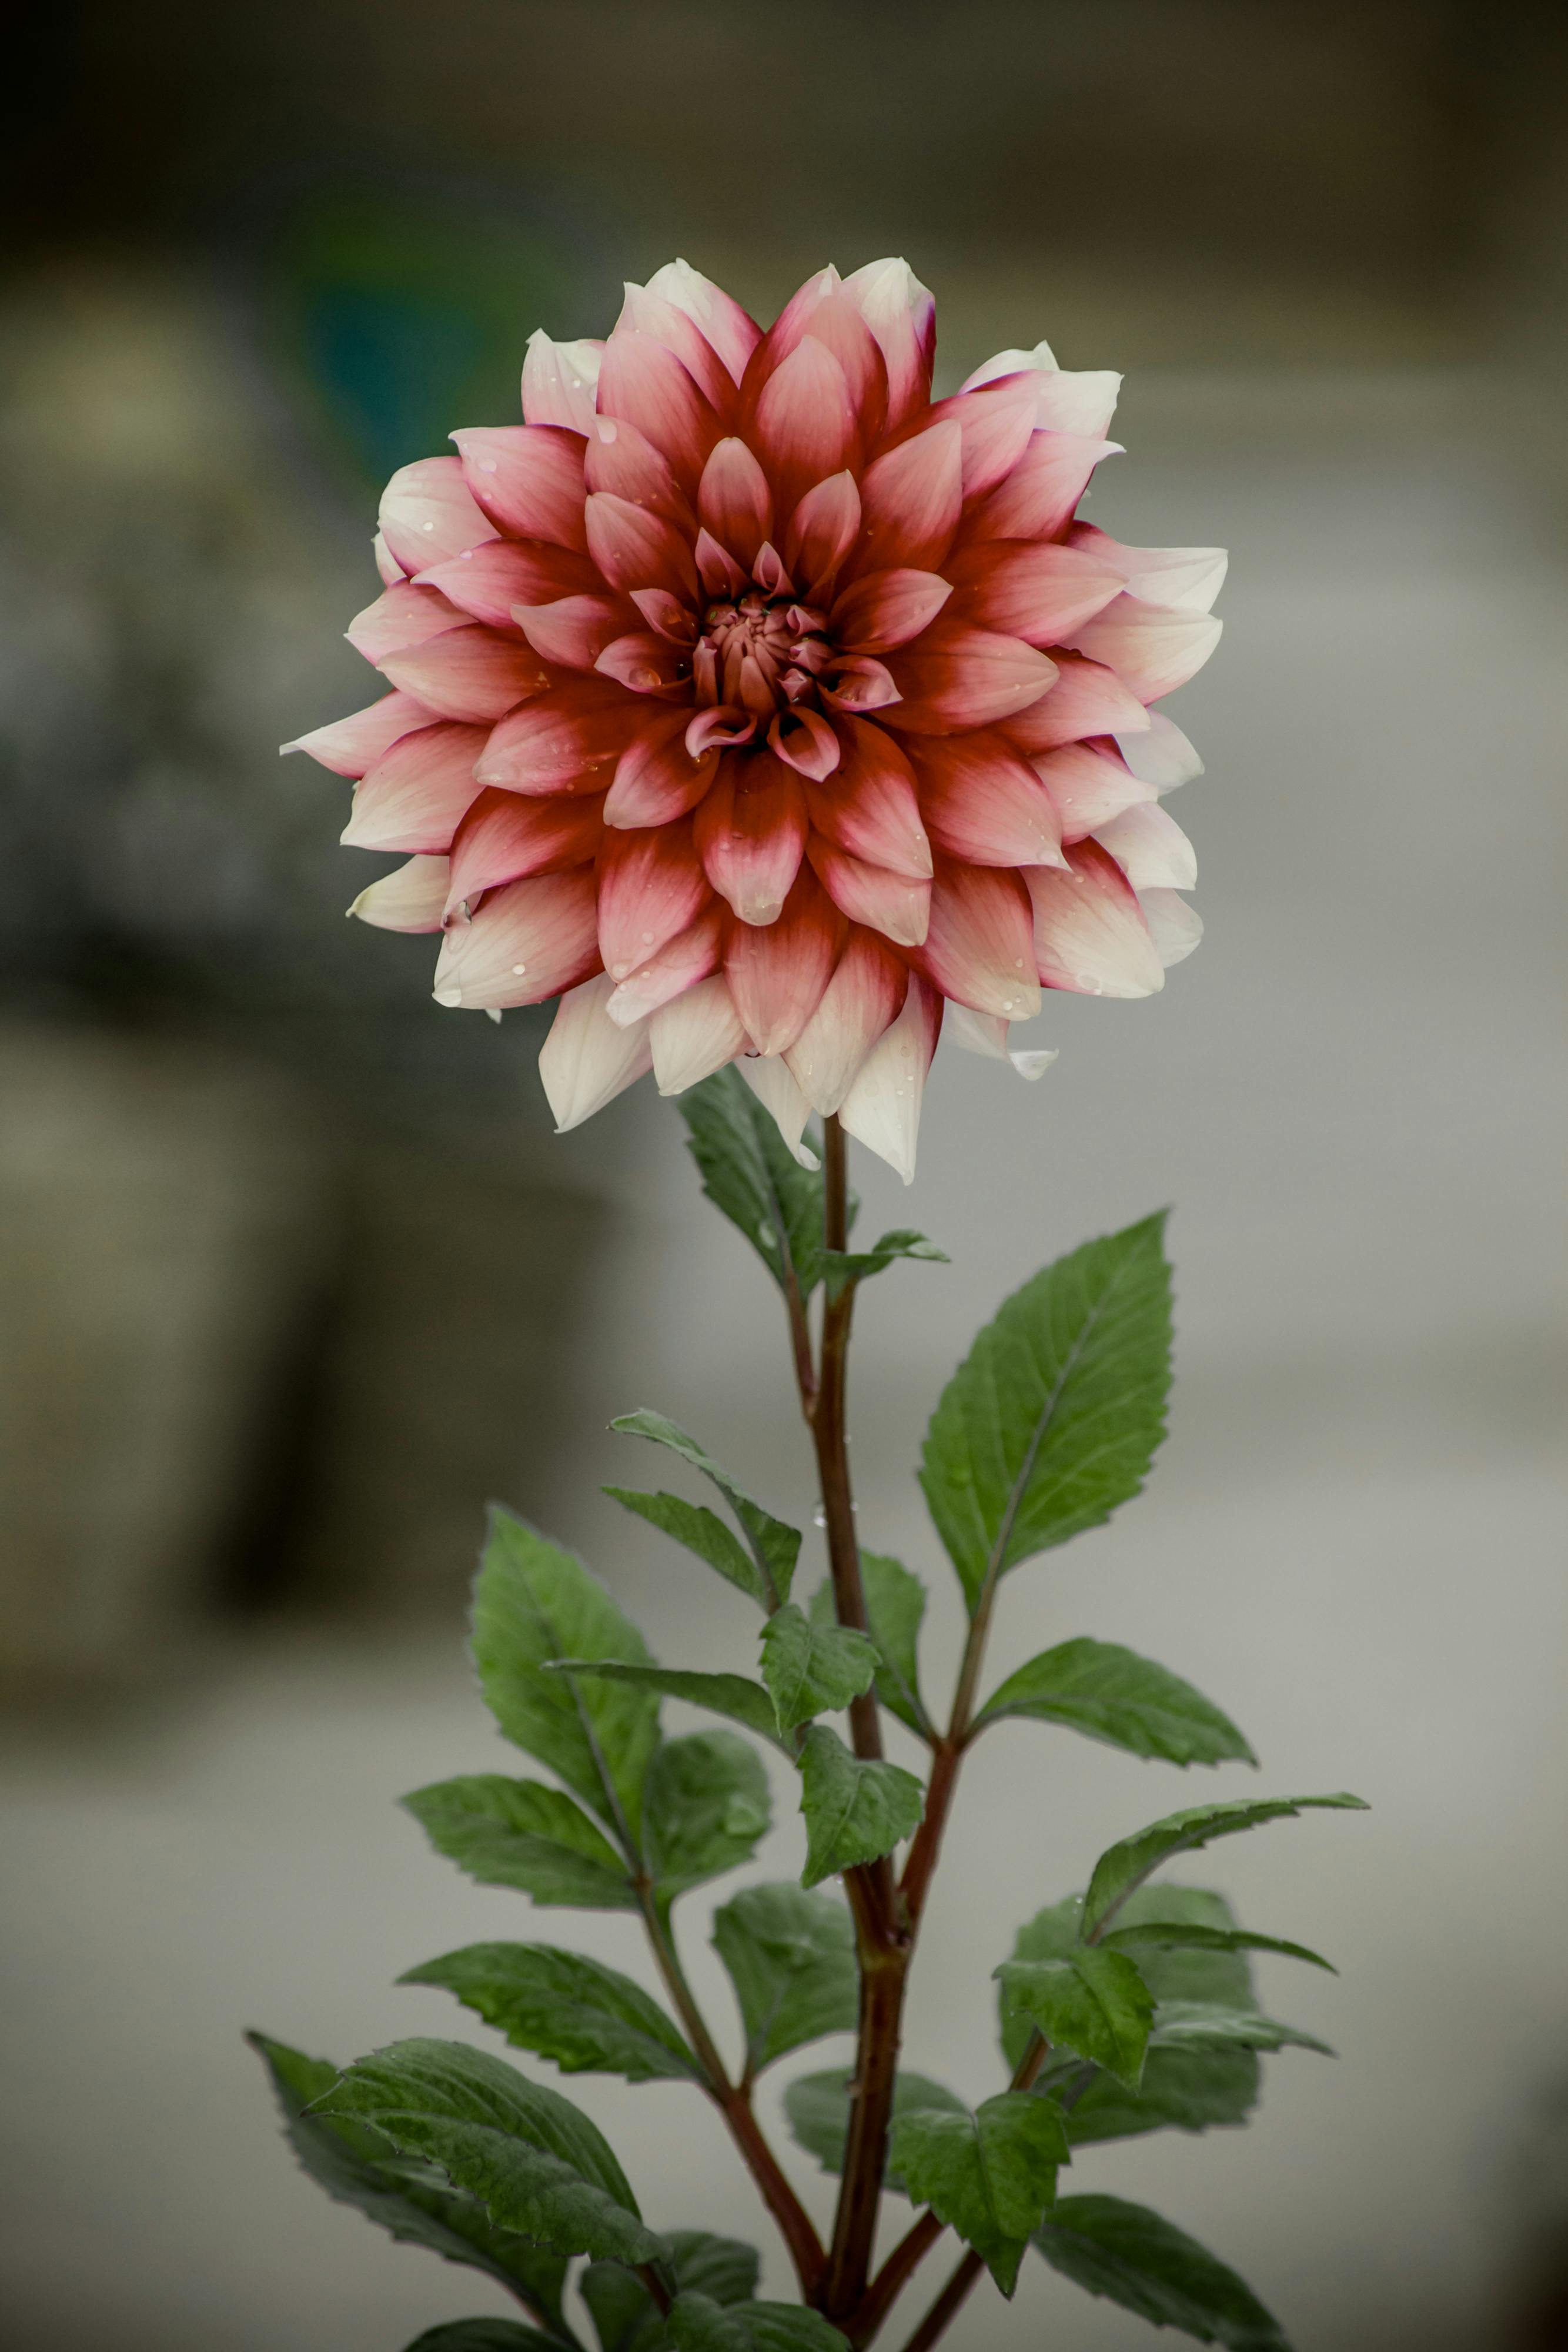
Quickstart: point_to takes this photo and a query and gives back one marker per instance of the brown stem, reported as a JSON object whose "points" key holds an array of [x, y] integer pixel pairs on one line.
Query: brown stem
{"points": [[894, 2277], [947, 2306], [655, 2286]]}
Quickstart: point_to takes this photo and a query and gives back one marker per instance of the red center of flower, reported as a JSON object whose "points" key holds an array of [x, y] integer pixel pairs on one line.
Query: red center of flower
{"points": [[760, 652]]}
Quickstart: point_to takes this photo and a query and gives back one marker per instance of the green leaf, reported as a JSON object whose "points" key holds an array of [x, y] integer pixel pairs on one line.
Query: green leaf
{"points": [[1147, 2265], [1126, 1866], [698, 2323], [841, 1267], [775, 1548], [1113, 1694], [532, 2159], [562, 2005], [791, 1959], [534, 1602], [811, 1668], [854, 1811], [1180, 1934], [1054, 1417], [707, 1804], [894, 1606], [817, 2109], [735, 1695], [748, 1172], [701, 1530], [1211, 2025], [623, 2312], [519, 1833], [1093, 2003], [355, 2167], [990, 2175], [1182, 2090], [484, 2335]]}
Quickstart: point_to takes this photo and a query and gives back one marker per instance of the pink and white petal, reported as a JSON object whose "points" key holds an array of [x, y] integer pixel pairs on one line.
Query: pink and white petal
{"points": [[504, 837], [853, 685], [560, 382], [416, 793], [428, 514], [410, 899], [980, 947], [882, 1110], [527, 478], [784, 334], [1065, 400], [822, 530], [624, 462], [751, 835], [1031, 589], [1039, 498], [772, 1082], [656, 778], [732, 331], [912, 499], [469, 673], [588, 1059], [1089, 787], [648, 663], [887, 608], [572, 632], [1162, 757], [634, 549], [1151, 649], [806, 426], [902, 315], [697, 952], [985, 1034], [696, 1034], [349, 746], [1175, 928], [722, 727], [487, 582], [806, 741], [652, 888], [957, 677], [1187, 579], [1150, 848], [1090, 935], [891, 904], [1010, 363], [869, 807], [643, 312], [667, 614], [735, 504], [1086, 699], [528, 940], [389, 570], [569, 740], [983, 803], [777, 974], [863, 999], [644, 385], [996, 423]]}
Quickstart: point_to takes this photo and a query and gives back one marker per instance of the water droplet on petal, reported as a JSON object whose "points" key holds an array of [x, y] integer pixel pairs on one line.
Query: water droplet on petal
{"points": [[518, 969]]}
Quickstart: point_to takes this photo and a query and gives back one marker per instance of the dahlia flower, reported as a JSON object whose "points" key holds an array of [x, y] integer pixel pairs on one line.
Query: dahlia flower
{"points": [[761, 709]]}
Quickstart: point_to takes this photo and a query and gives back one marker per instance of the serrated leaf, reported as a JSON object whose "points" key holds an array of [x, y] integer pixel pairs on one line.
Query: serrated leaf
{"points": [[1054, 1417], [1112, 1694], [519, 1833], [698, 2323], [1180, 1934], [623, 2312], [535, 1602], [701, 1530], [1126, 1866], [484, 2335], [706, 1805], [1211, 2025], [791, 1959], [817, 2109], [1133, 2257], [809, 1669], [775, 1548], [533, 2160], [749, 1174], [562, 2005], [841, 1267], [853, 1811], [895, 1608], [1093, 2003], [735, 1695], [991, 2176], [355, 2167]]}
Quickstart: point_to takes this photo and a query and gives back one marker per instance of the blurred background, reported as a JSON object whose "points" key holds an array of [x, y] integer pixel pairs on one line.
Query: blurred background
{"points": [[293, 1276]]}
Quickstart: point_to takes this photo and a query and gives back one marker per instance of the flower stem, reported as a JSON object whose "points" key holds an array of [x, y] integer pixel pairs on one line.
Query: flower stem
{"points": [[947, 2306]]}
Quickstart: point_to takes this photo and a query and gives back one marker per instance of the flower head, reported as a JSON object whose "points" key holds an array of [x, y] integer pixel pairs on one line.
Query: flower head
{"points": [[762, 710]]}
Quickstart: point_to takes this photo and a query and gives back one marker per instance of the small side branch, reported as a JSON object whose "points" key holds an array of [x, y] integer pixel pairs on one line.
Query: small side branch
{"points": [[947, 2306]]}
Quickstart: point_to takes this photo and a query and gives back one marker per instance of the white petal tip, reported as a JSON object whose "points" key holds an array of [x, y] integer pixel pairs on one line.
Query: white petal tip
{"points": [[450, 999]]}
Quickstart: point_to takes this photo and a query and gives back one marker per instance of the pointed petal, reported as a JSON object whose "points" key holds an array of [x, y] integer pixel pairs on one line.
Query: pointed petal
{"points": [[588, 1059], [468, 673], [415, 795], [504, 837], [677, 966], [983, 803], [1086, 699], [1151, 650], [1090, 935], [648, 663], [652, 888], [958, 677], [642, 384], [1010, 362], [805, 739], [1187, 578], [646, 312], [667, 614], [912, 498], [984, 1033], [855, 684], [887, 608], [529, 940], [1030, 589], [428, 514], [822, 530], [527, 478], [696, 1034], [732, 334], [625, 463], [1175, 928], [869, 807], [634, 549], [1163, 757], [402, 615], [1089, 787], [569, 740], [559, 380], [838, 326], [772, 1082], [389, 570], [723, 727], [573, 631], [806, 422], [1037, 498], [410, 899], [979, 948], [734, 501], [882, 1110], [487, 582], [902, 315], [656, 778], [863, 998], [783, 335], [776, 975], [996, 423], [1149, 846], [751, 833], [891, 904], [350, 746]]}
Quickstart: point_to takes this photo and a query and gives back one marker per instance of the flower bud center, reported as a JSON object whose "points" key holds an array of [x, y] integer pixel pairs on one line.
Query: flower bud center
{"points": [[765, 651]]}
